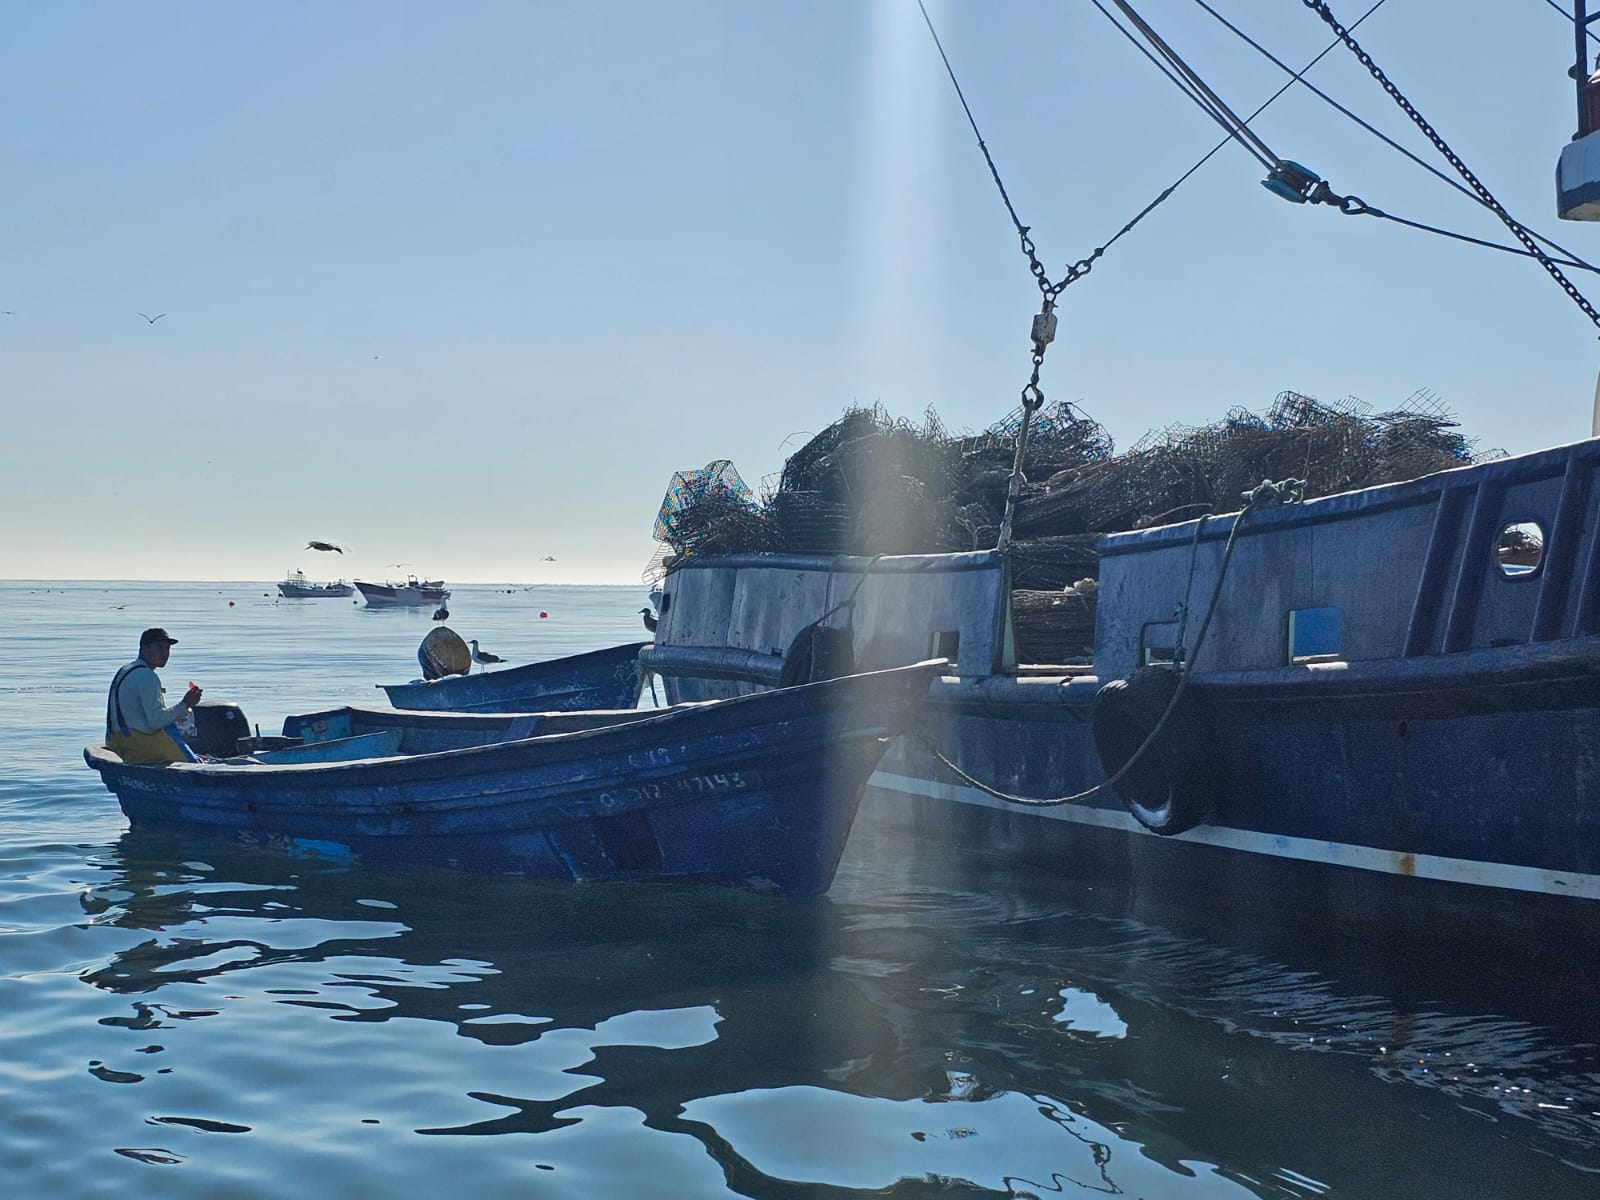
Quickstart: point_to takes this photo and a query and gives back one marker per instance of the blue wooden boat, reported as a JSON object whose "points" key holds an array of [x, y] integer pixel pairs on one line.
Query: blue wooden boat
{"points": [[606, 678], [1393, 721], [758, 791]]}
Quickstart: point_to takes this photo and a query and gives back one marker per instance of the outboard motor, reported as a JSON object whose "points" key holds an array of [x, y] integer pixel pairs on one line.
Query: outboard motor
{"points": [[217, 729], [442, 653]]}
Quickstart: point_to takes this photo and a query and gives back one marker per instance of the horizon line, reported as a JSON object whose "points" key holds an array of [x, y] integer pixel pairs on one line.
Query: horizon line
{"points": [[275, 582]]}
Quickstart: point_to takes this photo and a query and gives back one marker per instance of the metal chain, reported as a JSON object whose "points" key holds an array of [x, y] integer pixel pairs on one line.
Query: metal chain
{"points": [[1044, 332], [1075, 271], [1321, 8], [1044, 321]]}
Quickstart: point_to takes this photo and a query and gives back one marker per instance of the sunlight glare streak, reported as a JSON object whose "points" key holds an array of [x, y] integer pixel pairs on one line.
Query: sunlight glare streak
{"points": [[901, 219]]}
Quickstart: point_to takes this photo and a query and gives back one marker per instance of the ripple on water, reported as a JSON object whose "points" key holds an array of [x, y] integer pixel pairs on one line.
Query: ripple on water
{"points": [[194, 1021], [1012, 1143]]}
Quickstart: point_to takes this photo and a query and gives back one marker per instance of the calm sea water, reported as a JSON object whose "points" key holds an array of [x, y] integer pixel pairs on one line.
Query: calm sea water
{"points": [[186, 1019]]}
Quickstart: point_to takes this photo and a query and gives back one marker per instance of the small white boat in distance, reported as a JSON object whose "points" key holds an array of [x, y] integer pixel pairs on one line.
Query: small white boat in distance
{"points": [[295, 586]]}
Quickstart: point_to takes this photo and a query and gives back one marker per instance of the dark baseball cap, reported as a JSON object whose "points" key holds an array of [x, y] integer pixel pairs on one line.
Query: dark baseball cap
{"points": [[156, 635]]}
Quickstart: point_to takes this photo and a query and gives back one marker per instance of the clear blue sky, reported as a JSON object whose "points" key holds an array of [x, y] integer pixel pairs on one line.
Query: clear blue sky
{"points": [[462, 285]]}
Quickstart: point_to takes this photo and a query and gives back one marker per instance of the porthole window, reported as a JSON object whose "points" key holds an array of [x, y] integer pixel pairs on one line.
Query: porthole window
{"points": [[1519, 549]]}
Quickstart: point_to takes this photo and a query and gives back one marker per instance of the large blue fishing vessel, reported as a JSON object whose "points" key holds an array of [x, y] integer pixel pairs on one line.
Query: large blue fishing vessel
{"points": [[1387, 707], [1379, 707]]}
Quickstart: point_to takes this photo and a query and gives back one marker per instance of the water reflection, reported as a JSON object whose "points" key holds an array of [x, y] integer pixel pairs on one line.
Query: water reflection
{"points": [[1012, 1143], [437, 945], [902, 1033]]}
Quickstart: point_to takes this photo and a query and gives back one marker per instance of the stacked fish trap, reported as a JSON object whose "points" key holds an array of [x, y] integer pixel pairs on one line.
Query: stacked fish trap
{"points": [[870, 485]]}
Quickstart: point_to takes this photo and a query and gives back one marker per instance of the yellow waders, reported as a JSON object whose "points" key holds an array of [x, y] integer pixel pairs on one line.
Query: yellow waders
{"points": [[136, 747]]}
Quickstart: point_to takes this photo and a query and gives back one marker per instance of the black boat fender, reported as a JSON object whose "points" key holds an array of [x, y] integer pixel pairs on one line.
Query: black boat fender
{"points": [[1172, 786], [817, 653]]}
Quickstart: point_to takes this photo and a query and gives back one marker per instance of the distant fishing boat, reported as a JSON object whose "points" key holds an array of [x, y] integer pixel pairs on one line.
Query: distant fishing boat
{"points": [[758, 791], [295, 586], [413, 593]]}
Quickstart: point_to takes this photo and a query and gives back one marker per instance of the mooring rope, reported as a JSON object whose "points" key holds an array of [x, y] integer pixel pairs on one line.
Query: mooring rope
{"points": [[1289, 491]]}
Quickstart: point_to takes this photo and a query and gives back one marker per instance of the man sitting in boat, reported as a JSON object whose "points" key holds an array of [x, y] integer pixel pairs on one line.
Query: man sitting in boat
{"points": [[139, 728]]}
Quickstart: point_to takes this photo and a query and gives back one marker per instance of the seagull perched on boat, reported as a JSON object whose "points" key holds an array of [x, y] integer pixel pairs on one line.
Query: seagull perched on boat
{"points": [[482, 657], [153, 319], [324, 546], [650, 619]]}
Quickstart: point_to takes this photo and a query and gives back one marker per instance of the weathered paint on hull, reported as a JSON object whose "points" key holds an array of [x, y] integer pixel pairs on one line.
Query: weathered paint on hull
{"points": [[599, 679], [1445, 740], [759, 794], [295, 591], [1311, 808], [778, 829], [406, 598]]}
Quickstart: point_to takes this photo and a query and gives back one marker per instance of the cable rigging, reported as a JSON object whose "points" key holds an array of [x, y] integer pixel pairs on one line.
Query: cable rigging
{"points": [[1198, 90], [1570, 259], [1288, 179], [1044, 322], [1518, 230], [1565, 15], [1285, 178]]}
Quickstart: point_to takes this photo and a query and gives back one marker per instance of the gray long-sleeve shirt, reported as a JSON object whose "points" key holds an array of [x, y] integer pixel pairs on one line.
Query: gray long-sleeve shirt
{"points": [[141, 694]]}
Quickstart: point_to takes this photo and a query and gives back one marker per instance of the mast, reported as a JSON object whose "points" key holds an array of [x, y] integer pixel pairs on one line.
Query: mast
{"points": [[1581, 18]]}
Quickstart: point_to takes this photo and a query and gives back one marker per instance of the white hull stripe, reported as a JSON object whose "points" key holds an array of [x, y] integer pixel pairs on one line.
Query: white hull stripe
{"points": [[1338, 854]]}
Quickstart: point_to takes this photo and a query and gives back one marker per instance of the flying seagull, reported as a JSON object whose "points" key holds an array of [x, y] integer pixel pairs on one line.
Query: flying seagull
{"points": [[548, 558], [324, 546], [153, 319], [650, 619], [482, 657]]}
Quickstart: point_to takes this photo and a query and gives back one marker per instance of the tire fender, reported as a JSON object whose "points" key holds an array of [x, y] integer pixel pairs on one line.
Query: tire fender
{"points": [[1173, 787], [818, 653]]}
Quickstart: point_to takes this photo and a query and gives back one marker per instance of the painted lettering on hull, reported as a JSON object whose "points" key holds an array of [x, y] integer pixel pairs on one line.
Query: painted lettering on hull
{"points": [[694, 786]]}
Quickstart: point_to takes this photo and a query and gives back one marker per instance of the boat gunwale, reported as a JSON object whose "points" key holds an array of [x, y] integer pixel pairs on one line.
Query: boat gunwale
{"points": [[520, 674], [221, 794], [798, 702], [1359, 502], [889, 564]]}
